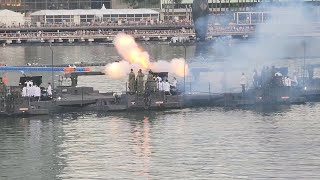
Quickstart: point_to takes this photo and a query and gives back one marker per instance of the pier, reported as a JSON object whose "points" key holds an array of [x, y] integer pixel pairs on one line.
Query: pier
{"points": [[71, 37], [113, 27], [108, 35]]}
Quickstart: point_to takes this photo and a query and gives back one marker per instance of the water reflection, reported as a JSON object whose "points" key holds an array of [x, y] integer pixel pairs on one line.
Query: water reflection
{"points": [[141, 143], [29, 148], [199, 143]]}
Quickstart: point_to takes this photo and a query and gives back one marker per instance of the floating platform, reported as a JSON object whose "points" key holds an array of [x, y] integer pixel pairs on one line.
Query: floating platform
{"points": [[86, 99]]}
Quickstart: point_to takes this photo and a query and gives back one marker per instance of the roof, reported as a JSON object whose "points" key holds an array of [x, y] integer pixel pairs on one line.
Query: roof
{"points": [[93, 12], [10, 13]]}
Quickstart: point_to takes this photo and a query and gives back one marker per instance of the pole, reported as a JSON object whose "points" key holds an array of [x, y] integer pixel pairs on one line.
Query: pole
{"points": [[81, 96], [304, 61], [184, 69], [212, 6], [52, 67]]}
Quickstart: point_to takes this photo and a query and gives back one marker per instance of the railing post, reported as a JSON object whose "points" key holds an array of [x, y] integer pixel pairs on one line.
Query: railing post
{"points": [[126, 87], [81, 96]]}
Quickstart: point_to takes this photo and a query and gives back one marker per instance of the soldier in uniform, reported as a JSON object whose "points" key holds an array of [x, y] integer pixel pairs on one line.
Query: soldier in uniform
{"points": [[154, 84], [132, 81], [149, 81], [74, 80], [140, 83]]}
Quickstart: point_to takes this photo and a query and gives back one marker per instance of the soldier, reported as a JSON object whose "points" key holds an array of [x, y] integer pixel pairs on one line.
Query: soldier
{"points": [[149, 81], [140, 83], [154, 84], [49, 90], [132, 81], [74, 80], [243, 82]]}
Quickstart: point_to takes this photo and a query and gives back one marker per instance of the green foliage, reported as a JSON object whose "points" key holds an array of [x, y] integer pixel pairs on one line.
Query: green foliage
{"points": [[177, 1], [135, 3]]}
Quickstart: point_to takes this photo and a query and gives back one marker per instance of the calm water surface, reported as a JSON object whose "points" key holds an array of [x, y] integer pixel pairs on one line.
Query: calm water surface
{"points": [[182, 144], [203, 143]]}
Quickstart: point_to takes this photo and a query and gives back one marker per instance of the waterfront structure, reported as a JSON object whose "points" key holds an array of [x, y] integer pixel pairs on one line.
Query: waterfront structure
{"points": [[254, 18], [27, 6], [10, 18], [183, 10], [94, 15]]}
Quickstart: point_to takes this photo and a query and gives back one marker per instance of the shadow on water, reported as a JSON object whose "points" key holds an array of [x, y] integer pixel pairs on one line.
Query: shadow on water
{"points": [[262, 110], [139, 116]]}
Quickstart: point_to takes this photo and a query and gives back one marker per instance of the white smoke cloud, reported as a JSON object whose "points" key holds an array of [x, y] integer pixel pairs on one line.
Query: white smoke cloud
{"points": [[280, 37], [136, 58], [175, 66], [117, 70]]}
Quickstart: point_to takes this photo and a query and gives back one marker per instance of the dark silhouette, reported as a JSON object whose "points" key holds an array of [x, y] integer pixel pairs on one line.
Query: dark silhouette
{"points": [[200, 12]]}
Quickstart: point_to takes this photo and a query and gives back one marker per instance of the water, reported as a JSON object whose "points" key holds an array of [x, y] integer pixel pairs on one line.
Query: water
{"points": [[204, 143], [182, 144]]}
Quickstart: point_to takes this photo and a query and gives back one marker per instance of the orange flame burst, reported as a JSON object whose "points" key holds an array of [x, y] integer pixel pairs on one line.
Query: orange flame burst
{"points": [[130, 51], [179, 67]]}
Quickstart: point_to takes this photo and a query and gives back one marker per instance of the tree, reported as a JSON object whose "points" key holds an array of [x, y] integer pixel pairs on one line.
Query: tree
{"points": [[174, 3], [136, 3]]}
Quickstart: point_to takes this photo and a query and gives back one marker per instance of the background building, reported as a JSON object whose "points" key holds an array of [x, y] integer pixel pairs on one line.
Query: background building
{"points": [[182, 9], [167, 8], [230, 5], [26, 6], [83, 16]]}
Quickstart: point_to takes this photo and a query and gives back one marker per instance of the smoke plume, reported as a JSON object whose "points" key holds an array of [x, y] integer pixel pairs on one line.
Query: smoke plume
{"points": [[282, 36], [136, 58], [118, 70], [130, 51], [175, 66]]}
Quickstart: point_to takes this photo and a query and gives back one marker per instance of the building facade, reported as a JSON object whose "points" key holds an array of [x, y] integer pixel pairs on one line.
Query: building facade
{"points": [[27, 6], [85, 16], [180, 10]]}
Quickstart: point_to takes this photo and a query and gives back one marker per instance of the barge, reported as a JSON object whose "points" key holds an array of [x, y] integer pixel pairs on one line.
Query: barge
{"points": [[85, 99]]}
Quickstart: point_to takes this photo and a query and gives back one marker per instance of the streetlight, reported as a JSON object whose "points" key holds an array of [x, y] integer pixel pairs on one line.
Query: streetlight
{"points": [[52, 66], [184, 68]]}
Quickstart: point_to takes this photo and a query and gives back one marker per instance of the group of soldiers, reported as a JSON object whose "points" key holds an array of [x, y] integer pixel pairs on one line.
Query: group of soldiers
{"points": [[136, 84], [154, 83], [273, 77], [269, 77]]}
